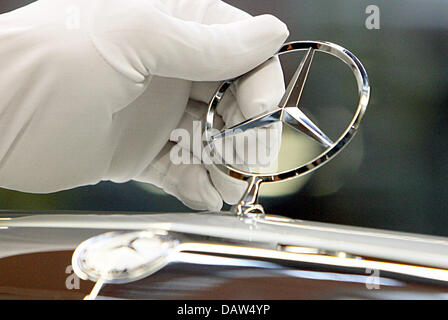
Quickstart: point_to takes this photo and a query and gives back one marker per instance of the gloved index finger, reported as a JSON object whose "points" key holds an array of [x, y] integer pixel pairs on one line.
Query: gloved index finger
{"points": [[261, 89], [256, 92]]}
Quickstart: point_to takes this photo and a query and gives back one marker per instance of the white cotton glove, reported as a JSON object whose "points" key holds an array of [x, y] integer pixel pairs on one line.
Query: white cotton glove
{"points": [[91, 90]]}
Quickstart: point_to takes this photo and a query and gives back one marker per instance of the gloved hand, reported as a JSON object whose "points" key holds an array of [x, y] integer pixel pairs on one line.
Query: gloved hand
{"points": [[91, 90]]}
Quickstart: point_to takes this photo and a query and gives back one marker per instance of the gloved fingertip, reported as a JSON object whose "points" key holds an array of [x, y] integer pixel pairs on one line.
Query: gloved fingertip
{"points": [[259, 106], [213, 200], [215, 207], [278, 29], [230, 189], [261, 89]]}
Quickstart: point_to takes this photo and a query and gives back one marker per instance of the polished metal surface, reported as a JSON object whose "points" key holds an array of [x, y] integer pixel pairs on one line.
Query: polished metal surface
{"points": [[49, 232], [288, 112], [304, 248], [120, 257]]}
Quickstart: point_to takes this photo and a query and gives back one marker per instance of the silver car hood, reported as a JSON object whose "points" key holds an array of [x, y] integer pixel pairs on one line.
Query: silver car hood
{"points": [[49, 232]]}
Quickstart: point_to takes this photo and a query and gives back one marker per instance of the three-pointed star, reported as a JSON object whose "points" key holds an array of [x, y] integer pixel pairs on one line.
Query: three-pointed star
{"points": [[287, 111]]}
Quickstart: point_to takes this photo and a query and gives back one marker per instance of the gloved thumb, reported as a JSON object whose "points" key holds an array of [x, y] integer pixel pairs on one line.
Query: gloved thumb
{"points": [[152, 42]]}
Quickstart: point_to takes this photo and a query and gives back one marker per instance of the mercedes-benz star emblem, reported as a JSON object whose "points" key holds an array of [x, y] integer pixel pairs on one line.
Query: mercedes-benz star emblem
{"points": [[288, 111]]}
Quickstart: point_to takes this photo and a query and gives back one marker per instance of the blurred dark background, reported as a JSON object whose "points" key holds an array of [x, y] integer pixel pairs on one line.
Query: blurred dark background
{"points": [[394, 174]]}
